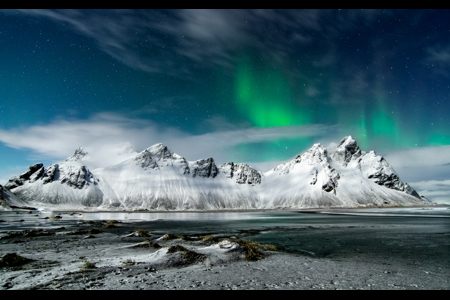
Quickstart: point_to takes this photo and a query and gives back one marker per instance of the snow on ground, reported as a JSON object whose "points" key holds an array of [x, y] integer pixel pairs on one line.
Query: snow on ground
{"points": [[101, 255]]}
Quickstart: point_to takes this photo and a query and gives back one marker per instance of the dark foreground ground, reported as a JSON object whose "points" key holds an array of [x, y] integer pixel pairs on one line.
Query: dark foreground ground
{"points": [[314, 251]]}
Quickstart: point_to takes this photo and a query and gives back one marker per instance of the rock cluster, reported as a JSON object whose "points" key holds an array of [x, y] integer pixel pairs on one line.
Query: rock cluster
{"points": [[243, 173]]}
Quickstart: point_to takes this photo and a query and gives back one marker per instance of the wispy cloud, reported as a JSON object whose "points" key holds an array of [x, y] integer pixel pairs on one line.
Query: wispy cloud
{"points": [[435, 190], [168, 41], [420, 157], [438, 59], [109, 138], [103, 136], [426, 169]]}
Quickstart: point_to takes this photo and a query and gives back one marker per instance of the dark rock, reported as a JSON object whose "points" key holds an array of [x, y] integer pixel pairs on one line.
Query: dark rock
{"points": [[77, 178], [246, 174], [146, 160], [31, 170], [50, 173], [33, 173], [242, 172], [14, 183], [347, 150], [158, 156], [204, 168]]}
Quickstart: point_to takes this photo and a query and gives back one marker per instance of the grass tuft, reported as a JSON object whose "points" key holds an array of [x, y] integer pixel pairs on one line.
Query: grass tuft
{"points": [[13, 260], [186, 238], [88, 266], [169, 236], [210, 239], [252, 250], [189, 256], [129, 262], [111, 224], [269, 247], [141, 233]]}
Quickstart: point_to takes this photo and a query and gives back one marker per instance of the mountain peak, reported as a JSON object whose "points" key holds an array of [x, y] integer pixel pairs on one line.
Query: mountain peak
{"points": [[347, 150], [158, 156], [79, 154], [160, 151], [317, 153], [341, 176], [204, 168]]}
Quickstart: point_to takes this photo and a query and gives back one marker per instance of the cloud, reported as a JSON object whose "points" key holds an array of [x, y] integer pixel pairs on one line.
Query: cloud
{"points": [[435, 190], [169, 41], [438, 58], [426, 169], [110, 138], [420, 157], [440, 55], [104, 134], [100, 135]]}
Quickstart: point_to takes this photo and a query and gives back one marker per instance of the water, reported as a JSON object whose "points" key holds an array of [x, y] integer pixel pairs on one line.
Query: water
{"points": [[412, 234]]}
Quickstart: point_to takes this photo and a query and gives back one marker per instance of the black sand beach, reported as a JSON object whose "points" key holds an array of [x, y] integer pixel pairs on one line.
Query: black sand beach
{"points": [[387, 249]]}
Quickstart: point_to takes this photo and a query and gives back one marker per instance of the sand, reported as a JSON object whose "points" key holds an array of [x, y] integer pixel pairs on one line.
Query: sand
{"points": [[60, 259]]}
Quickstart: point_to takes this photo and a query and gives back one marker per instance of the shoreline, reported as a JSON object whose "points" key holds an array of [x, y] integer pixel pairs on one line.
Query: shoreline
{"points": [[120, 261], [93, 210], [111, 255]]}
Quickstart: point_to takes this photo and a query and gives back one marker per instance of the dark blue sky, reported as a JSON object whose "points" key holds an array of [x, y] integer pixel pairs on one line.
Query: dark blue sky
{"points": [[269, 82]]}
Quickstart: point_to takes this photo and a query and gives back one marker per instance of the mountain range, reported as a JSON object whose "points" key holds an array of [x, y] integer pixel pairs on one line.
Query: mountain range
{"points": [[159, 179]]}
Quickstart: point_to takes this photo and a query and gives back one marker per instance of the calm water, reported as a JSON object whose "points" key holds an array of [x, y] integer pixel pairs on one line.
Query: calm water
{"points": [[413, 234]]}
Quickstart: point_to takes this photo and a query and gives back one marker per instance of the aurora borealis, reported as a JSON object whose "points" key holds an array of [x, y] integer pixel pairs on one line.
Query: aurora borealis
{"points": [[256, 86]]}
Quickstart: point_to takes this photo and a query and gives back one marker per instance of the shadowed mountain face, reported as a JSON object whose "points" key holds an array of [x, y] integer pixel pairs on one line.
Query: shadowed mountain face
{"points": [[160, 179], [9, 200]]}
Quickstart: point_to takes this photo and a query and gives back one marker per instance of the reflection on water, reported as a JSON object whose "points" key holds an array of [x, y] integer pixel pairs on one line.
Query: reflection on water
{"points": [[14, 220], [175, 216], [432, 212]]}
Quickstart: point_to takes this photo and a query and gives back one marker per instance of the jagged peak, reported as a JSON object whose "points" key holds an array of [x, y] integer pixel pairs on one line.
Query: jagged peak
{"points": [[347, 140], [79, 154], [347, 150], [315, 154], [204, 168], [208, 160], [159, 151], [349, 144], [157, 147], [316, 146]]}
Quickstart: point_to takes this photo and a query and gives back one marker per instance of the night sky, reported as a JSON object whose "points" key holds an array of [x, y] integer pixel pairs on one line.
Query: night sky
{"points": [[254, 86]]}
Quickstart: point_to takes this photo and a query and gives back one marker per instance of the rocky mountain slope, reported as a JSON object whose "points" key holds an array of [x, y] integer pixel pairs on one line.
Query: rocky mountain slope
{"points": [[8, 200], [160, 179]]}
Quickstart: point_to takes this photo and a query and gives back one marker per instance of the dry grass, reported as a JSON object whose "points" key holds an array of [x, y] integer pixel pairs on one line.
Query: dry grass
{"points": [[129, 262], [88, 266], [189, 256], [252, 250], [111, 224], [269, 247], [141, 233], [169, 236], [13, 260], [186, 238], [210, 239]]}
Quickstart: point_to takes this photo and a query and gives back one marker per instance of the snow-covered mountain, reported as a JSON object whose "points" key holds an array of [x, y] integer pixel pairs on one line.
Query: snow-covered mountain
{"points": [[8, 200], [346, 177], [69, 184], [157, 178], [160, 179]]}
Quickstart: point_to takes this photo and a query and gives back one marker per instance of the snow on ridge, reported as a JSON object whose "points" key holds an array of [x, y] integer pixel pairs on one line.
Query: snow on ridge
{"points": [[79, 155], [157, 178]]}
